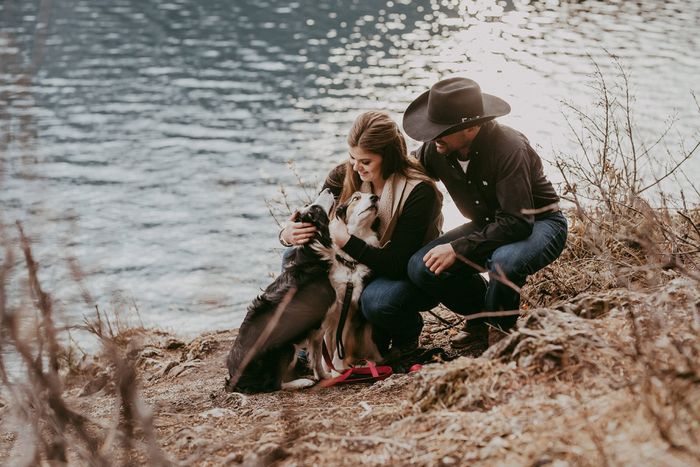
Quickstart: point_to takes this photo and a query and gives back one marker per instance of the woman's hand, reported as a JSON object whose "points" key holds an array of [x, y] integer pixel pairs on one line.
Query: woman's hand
{"points": [[440, 258], [339, 233], [297, 233]]}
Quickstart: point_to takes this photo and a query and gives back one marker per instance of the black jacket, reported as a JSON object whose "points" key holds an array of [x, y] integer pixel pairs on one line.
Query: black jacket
{"points": [[391, 260], [504, 177]]}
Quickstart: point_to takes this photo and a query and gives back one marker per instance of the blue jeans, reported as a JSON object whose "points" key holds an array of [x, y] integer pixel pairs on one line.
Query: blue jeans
{"points": [[392, 307], [463, 290]]}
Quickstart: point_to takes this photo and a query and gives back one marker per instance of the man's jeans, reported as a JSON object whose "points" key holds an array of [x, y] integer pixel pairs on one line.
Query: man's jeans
{"points": [[463, 290]]}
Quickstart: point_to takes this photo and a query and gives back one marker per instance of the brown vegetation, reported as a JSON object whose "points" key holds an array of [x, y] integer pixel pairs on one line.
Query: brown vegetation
{"points": [[601, 370]]}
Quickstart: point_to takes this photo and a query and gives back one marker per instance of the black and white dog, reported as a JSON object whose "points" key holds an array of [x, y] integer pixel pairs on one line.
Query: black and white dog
{"points": [[345, 332], [263, 354]]}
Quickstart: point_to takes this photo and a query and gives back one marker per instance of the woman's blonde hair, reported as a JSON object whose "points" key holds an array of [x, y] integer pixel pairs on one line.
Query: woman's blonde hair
{"points": [[376, 132]]}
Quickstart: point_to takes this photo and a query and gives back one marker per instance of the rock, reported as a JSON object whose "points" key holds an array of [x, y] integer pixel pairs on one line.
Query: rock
{"points": [[366, 409], [199, 349], [151, 352], [135, 345], [271, 452], [542, 461], [172, 344], [391, 383], [235, 400], [216, 412], [266, 454], [94, 385], [233, 458], [181, 369], [151, 364], [168, 366], [495, 445], [189, 438]]}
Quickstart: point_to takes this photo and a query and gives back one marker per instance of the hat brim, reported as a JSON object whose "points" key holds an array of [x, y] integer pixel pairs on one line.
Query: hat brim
{"points": [[418, 126]]}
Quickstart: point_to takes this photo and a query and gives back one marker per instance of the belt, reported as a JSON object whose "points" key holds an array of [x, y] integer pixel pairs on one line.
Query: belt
{"points": [[548, 209]]}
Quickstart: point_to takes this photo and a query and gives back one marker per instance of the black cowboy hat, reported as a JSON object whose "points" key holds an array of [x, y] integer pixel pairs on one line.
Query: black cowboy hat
{"points": [[450, 105]]}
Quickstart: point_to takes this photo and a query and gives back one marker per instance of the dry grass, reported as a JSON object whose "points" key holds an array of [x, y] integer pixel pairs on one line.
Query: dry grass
{"points": [[636, 360], [626, 230], [45, 426], [585, 384], [603, 370]]}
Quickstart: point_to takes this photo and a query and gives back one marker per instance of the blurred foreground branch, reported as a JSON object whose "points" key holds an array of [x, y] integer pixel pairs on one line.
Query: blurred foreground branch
{"points": [[48, 429]]}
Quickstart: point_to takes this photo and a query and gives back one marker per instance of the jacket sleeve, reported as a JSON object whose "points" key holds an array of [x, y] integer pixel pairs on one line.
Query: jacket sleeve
{"points": [[421, 154], [392, 260], [514, 194]]}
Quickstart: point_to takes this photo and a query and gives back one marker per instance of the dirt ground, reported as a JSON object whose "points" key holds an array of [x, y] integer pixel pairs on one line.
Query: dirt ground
{"points": [[571, 386]]}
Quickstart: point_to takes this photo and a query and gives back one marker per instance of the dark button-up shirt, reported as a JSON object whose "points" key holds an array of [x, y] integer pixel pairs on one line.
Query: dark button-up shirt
{"points": [[504, 180]]}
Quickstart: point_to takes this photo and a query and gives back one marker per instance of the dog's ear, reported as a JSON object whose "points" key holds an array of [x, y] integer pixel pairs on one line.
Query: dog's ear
{"points": [[376, 224], [341, 212], [296, 217]]}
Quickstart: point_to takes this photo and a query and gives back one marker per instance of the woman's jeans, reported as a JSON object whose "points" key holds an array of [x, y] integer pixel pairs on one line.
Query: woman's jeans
{"points": [[463, 290], [393, 308]]}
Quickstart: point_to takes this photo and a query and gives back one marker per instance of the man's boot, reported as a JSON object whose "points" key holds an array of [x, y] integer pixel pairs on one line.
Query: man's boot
{"points": [[472, 340]]}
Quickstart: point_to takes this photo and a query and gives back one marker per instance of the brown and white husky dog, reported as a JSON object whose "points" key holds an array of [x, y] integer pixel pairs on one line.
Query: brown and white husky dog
{"points": [[354, 341]]}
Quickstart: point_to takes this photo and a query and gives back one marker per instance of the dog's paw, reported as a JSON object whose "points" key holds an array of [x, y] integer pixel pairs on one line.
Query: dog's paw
{"points": [[301, 383]]}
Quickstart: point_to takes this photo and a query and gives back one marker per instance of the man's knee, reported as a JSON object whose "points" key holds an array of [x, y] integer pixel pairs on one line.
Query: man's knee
{"points": [[418, 272], [506, 261]]}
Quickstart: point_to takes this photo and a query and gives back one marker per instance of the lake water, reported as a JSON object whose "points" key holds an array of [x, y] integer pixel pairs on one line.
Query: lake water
{"points": [[144, 138]]}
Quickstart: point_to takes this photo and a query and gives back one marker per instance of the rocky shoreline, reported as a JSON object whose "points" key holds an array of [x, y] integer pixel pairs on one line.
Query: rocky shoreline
{"points": [[603, 379]]}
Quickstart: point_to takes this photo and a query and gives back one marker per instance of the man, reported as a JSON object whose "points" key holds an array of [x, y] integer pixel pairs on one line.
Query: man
{"points": [[496, 180]]}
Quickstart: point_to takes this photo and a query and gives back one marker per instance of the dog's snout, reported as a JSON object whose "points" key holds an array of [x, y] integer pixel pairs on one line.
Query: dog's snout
{"points": [[374, 198]]}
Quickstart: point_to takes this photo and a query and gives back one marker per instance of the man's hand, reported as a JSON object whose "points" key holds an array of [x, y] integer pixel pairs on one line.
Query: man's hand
{"points": [[297, 233], [339, 233], [440, 258]]}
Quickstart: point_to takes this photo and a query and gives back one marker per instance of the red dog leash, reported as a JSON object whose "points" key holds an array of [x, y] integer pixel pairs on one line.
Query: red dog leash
{"points": [[343, 317], [369, 373]]}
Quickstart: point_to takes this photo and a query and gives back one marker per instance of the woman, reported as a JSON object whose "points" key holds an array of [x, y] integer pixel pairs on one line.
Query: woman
{"points": [[410, 216]]}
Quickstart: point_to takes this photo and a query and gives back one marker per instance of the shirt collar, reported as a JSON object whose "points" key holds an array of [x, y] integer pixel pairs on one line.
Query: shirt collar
{"points": [[481, 138], [478, 142]]}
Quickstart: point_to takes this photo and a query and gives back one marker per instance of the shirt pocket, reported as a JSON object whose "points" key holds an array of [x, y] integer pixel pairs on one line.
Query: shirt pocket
{"points": [[488, 193]]}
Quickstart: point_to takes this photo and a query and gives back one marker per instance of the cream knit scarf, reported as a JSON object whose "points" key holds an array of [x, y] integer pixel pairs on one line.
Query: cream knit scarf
{"points": [[396, 190]]}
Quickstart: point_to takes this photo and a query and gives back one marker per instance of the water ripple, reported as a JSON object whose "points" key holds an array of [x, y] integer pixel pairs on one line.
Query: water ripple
{"points": [[152, 134]]}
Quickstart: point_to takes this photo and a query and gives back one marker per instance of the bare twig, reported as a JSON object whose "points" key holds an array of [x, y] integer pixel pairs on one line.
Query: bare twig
{"points": [[672, 170]]}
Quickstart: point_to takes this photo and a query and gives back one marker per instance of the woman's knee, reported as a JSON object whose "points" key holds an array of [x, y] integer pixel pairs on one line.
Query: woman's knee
{"points": [[377, 305], [383, 299], [394, 314]]}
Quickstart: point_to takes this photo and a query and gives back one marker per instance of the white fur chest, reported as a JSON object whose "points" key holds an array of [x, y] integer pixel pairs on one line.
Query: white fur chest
{"points": [[349, 270], [340, 275]]}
